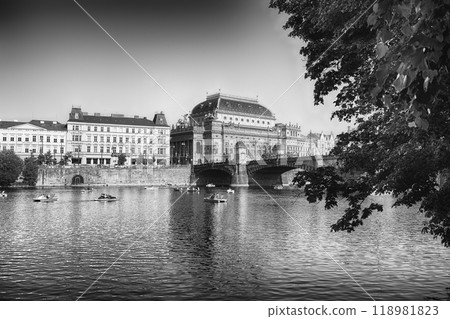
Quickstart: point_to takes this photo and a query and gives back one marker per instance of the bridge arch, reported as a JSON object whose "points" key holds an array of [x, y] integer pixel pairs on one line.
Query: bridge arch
{"points": [[77, 180], [273, 175], [214, 175]]}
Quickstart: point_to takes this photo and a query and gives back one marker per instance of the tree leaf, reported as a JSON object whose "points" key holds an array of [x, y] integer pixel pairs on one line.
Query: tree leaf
{"points": [[381, 74], [375, 91], [375, 8], [381, 49], [402, 68], [385, 35], [406, 29], [372, 19], [387, 100], [404, 10], [425, 83], [400, 82]]}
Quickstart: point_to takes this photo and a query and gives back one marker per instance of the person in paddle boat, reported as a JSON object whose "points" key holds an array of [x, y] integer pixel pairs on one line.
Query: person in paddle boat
{"points": [[216, 196]]}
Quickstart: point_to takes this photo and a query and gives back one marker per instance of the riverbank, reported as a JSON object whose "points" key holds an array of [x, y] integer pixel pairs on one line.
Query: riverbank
{"points": [[99, 176]]}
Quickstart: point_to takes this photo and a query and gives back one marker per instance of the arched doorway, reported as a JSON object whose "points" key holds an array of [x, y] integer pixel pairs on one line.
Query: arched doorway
{"points": [[77, 180]]}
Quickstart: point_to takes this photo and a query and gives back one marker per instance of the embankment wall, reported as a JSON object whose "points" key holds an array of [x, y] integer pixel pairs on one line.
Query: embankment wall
{"points": [[59, 176]]}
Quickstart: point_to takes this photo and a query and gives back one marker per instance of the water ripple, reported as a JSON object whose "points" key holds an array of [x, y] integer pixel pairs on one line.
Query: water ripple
{"points": [[247, 249]]}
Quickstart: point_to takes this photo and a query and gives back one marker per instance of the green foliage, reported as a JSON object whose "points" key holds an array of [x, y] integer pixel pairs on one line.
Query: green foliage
{"points": [[121, 159], [46, 159], [40, 159], [10, 167], [389, 62], [65, 159], [30, 171], [49, 159]]}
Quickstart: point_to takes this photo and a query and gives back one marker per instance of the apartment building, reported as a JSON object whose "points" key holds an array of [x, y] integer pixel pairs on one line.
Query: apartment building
{"points": [[98, 139], [33, 138]]}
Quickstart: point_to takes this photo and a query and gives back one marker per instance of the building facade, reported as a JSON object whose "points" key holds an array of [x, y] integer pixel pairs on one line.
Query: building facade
{"points": [[33, 138], [228, 128], [98, 140], [324, 143]]}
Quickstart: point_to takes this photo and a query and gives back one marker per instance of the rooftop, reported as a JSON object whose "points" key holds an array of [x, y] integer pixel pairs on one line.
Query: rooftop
{"points": [[47, 125], [116, 119], [232, 104]]}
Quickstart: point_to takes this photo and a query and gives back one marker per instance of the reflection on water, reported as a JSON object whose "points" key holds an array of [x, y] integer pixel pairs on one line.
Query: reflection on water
{"points": [[246, 249]]}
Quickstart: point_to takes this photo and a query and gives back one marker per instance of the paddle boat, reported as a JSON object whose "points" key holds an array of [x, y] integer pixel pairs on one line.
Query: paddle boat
{"points": [[45, 198], [193, 189], [87, 190], [215, 198], [150, 188], [106, 198], [210, 185], [178, 189], [230, 191], [3, 194], [278, 187]]}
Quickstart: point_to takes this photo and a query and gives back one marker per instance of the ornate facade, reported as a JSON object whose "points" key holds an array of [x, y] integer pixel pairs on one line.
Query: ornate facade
{"points": [[222, 124]]}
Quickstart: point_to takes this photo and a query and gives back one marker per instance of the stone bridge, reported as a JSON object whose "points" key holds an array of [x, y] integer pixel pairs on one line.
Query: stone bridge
{"points": [[264, 172]]}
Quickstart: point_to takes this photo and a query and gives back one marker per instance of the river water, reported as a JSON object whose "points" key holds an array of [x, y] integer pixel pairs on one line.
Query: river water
{"points": [[165, 245]]}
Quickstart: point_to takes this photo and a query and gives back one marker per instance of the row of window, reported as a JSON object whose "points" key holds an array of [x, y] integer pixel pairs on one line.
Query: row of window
{"points": [[242, 120], [121, 129], [296, 148], [18, 149], [101, 139], [33, 138], [102, 161], [114, 149]]}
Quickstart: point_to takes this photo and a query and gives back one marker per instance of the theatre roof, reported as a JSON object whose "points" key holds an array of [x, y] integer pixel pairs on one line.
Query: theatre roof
{"points": [[231, 104]]}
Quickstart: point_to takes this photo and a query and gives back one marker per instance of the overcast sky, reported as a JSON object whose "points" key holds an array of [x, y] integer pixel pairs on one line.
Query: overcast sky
{"points": [[53, 56]]}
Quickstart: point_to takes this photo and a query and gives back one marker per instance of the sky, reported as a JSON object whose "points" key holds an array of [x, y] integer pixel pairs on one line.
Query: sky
{"points": [[54, 56]]}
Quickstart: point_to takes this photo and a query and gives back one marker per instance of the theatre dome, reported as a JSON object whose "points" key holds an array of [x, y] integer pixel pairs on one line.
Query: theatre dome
{"points": [[229, 104]]}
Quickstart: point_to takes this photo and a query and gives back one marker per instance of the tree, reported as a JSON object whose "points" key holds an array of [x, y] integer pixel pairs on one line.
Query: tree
{"points": [[40, 159], [30, 171], [121, 159], [46, 159], [65, 159], [49, 159], [10, 167], [388, 60]]}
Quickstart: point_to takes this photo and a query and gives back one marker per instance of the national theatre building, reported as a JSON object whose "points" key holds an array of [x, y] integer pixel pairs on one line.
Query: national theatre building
{"points": [[220, 125]]}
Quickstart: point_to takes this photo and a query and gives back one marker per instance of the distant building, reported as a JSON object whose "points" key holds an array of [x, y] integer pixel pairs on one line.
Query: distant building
{"points": [[226, 127], [97, 139], [324, 143], [33, 138]]}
